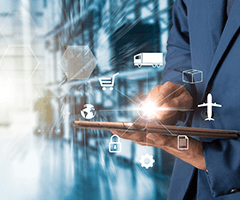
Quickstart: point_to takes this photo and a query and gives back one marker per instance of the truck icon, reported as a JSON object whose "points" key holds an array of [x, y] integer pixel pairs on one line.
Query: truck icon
{"points": [[153, 59]]}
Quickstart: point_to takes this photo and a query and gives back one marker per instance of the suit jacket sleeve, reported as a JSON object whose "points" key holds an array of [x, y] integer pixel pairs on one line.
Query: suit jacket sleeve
{"points": [[178, 56], [223, 164]]}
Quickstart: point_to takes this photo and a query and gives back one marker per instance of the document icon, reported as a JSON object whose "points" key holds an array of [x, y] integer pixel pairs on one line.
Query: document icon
{"points": [[183, 142]]}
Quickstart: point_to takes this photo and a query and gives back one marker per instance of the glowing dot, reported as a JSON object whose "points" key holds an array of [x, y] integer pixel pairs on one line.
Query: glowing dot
{"points": [[147, 110]]}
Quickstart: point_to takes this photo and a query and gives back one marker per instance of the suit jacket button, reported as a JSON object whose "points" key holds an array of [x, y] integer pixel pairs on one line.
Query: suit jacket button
{"points": [[233, 191]]}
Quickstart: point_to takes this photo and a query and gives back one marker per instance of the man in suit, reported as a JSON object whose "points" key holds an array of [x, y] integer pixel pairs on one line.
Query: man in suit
{"points": [[205, 36]]}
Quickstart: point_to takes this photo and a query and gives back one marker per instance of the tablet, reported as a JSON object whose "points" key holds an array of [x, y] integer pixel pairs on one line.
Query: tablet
{"points": [[128, 127]]}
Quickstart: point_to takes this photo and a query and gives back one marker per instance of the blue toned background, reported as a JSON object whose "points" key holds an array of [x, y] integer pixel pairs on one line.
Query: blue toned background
{"points": [[42, 155]]}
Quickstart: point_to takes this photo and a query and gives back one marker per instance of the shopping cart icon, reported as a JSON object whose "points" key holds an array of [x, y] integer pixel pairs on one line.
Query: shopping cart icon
{"points": [[107, 82]]}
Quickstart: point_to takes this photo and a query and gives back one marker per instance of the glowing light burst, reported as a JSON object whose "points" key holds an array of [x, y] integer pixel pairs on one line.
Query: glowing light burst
{"points": [[147, 109]]}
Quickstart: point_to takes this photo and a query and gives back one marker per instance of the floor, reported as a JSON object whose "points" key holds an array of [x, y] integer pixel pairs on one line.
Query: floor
{"points": [[33, 167]]}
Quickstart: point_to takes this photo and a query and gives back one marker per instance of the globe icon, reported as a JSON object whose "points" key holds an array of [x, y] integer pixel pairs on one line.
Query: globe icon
{"points": [[88, 111]]}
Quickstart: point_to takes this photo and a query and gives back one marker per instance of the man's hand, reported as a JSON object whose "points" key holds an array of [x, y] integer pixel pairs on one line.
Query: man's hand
{"points": [[194, 155], [172, 98]]}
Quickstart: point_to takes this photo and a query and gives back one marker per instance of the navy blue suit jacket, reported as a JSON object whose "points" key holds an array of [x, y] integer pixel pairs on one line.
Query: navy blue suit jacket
{"points": [[203, 38]]}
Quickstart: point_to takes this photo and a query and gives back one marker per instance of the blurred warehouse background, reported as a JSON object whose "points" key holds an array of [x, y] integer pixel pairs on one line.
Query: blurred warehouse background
{"points": [[42, 155]]}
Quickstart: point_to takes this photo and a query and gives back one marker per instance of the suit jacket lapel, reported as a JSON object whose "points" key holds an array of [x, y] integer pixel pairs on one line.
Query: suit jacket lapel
{"points": [[217, 17], [229, 30]]}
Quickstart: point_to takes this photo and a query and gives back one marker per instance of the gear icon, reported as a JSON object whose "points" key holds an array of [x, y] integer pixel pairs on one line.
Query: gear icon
{"points": [[150, 161]]}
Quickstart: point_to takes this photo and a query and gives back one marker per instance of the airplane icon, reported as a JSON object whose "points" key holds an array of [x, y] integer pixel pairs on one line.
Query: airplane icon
{"points": [[209, 105]]}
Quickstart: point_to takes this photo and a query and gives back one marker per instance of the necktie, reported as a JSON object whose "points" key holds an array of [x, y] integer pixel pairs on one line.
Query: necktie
{"points": [[229, 6]]}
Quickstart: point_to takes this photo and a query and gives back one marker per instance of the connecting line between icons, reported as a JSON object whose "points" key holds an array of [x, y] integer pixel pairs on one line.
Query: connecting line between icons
{"points": [[171, 109], [171, 94], [166, 128], [146, 128], [147, 82], [130, 126], [126, 96], [116, 110]]}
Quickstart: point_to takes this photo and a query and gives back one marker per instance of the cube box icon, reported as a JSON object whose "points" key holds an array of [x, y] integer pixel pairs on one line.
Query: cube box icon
{"points": [[192, 76]]}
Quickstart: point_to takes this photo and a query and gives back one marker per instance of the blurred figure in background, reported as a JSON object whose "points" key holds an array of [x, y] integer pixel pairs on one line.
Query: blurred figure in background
{"points": [[45, 114]]}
